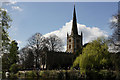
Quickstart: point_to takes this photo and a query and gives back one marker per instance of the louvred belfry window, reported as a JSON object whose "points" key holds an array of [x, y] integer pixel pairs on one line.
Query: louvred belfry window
{"points": [[69, 46]]}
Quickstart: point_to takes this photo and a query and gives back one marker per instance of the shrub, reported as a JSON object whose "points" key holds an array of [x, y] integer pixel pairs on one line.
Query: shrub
{"points": [[44, 74], [60, 75], [31, 74], [14, 68]]}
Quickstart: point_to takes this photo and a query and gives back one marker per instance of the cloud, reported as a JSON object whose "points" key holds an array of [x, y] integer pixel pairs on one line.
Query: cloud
{"points": [[11, 3], [113, 19], [19, 42], [17, 8], [89, 33]]}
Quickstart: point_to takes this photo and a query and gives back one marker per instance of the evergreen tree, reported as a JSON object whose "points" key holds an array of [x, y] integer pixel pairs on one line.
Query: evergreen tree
{"points": [[5, 25], [13, 55], [4, 38], [5, 62]]}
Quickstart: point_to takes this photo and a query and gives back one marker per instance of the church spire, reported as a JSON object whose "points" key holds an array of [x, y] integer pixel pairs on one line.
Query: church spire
{"points": [[74, 24], [67, 35]]}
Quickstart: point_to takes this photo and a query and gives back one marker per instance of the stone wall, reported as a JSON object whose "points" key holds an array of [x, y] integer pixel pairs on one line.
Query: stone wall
{"points": [[59, 60]]}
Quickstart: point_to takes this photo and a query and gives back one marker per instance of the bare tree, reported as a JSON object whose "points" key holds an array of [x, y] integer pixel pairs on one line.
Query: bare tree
{"points": [[115, 42], [22, 56], [39, 45], [115, 38], [36, 44], [54, 43], [115, 25]]}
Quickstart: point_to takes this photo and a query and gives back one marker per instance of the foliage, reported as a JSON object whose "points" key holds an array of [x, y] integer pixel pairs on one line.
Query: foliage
{"points": [[26, 58], [35, 52], [23, 54], [29, 61], [5, 62], [114, 46], [78, 52], [5, 26], [94, 56], [9, 60], [116, 63], [14, 68], [52, 74], [13, 55], [31, 54], [5, 41], [31, 74]]}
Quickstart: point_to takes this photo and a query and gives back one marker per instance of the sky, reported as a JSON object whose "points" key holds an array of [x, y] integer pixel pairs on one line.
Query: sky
{"points": [[93, 19], [61, 0]]}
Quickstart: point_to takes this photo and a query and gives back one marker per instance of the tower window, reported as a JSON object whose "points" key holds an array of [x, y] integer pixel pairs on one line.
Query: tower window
{"points": [[77, 46], [69, 46], [69, 40], [78, 41]]}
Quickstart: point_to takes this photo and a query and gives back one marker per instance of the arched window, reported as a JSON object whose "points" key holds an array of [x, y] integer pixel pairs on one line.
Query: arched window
{"points": [[69, 40], [69, 46], [78, 40], [77, 46]]}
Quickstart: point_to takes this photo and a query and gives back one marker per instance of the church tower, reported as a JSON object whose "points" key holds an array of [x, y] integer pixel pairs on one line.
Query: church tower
{"points": [[74, 41]]}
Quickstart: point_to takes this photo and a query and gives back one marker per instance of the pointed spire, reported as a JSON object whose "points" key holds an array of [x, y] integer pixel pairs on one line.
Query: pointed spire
{"points": [[74, 13], [67, 34], [74, 24]]}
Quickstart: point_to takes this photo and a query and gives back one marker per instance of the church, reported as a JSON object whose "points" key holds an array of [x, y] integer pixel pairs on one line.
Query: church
{"points": [[64, 60], [74, 41]]}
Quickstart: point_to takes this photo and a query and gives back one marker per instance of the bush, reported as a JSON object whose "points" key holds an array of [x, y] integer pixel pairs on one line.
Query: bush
{"points": [[44, 74], [93, 75], [12, 76], [3, 74], [31, 74], [100, 75], [107, 75], [14, 68], [60, 75]]}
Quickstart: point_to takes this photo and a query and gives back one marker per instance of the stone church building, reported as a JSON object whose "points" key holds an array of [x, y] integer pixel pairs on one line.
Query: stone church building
{"points": [[64, 60]]}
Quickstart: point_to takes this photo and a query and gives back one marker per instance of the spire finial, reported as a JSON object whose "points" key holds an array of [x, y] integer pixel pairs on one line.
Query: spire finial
{"points": [[74, 13], [74, 4]]}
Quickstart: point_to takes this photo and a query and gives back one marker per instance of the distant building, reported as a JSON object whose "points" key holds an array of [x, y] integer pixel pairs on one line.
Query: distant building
{"points": [[74, 41]]}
